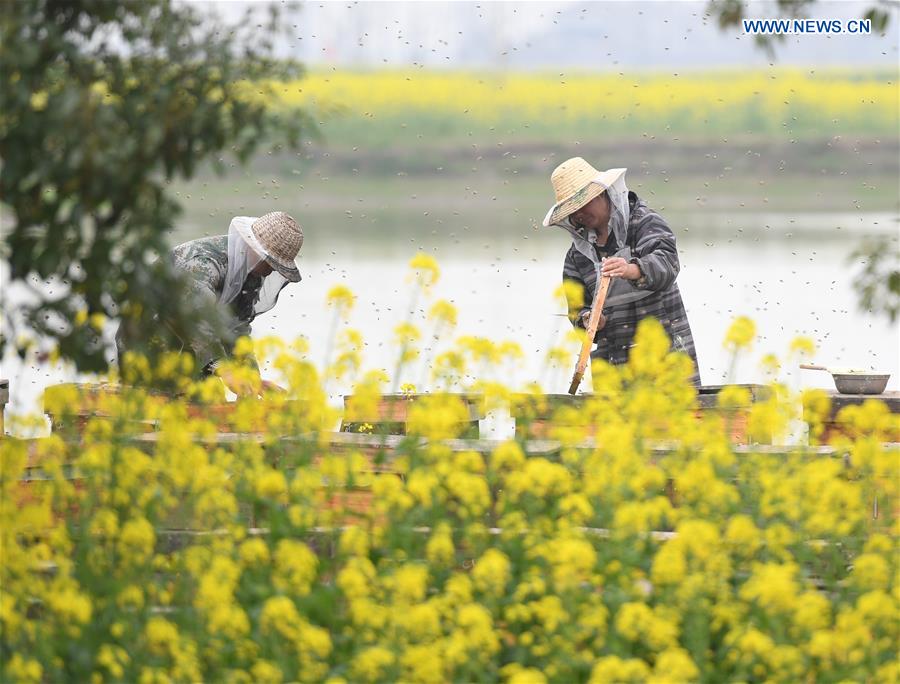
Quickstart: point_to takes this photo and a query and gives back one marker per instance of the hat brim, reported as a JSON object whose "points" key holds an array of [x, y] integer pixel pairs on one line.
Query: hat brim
{"points": [[289, 271], [560, 211]]}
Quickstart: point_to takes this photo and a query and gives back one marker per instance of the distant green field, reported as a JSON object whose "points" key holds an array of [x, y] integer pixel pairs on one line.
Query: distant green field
{"points": [[384, 109]]}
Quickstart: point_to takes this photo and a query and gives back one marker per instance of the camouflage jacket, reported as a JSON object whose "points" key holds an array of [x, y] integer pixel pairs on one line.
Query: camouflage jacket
{"points": [[205, 262]]}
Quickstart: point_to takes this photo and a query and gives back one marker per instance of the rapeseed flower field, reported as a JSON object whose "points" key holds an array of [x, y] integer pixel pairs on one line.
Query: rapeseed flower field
{"points": [[640, 545], [384, 107]]}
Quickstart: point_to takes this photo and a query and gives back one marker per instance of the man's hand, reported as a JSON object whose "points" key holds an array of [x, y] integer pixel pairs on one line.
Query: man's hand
{"points": [[586, 316], [239, 381], [269, 386], [617, 267], [246, 382]]}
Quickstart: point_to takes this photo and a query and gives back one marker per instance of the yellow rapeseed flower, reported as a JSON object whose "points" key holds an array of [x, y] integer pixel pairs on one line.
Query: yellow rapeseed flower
{"points": [[254, 552], [443, 313], [295, 567], [870, 572], [770, 365], [162, 636], [803, 347], [527, 675], [266, 672], [112, 659], [480, 348], [440, 550], [773, 587], [136, 541], [740, 334], [491, 573], [422, 663], [437, 416], [812, 612], [410, 583], [674, 665], [25, 670], [743, 535], [341, 298], [371, 665], [271, 484], [425, 270], [571, 293], [354, 541], [356, 577], [615, 669]]}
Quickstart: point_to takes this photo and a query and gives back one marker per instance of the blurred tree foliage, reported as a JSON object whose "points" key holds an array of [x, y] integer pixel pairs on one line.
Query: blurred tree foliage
{"points": [[102, 105], [878, 283]]}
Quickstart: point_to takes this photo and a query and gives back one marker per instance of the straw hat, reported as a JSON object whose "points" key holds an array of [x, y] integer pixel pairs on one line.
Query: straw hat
{"points": [[280, 238], [576, 183]]}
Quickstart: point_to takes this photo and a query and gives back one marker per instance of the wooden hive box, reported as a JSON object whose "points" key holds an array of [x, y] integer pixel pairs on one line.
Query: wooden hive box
{"points": [[736, 419], [391, 413], [92, 396], [837, 425], [536, 414]]}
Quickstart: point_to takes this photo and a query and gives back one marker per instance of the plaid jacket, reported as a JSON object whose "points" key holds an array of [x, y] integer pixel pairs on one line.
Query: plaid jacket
{"points": [[652, 247]]}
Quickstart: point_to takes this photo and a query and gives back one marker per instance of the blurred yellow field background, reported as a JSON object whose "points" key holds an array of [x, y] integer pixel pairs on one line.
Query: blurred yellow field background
{"points": [[386, 106]]}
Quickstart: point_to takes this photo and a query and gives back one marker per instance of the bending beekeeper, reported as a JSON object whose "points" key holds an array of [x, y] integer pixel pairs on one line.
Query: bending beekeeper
{"points": [[241, 274]]}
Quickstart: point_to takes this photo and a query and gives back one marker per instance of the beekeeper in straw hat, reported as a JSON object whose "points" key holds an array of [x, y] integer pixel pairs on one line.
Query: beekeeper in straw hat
{"points": [[615, 233], [242, 274]]}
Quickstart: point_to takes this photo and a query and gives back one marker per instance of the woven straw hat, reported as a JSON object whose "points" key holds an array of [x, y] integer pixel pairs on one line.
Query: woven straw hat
{"points": [[280, 238], [576, 183]]}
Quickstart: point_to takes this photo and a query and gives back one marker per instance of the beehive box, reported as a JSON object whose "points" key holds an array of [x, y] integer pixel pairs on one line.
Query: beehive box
{"points": [[837, 423], [93, 402], [390, 414], [536, 414]]}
